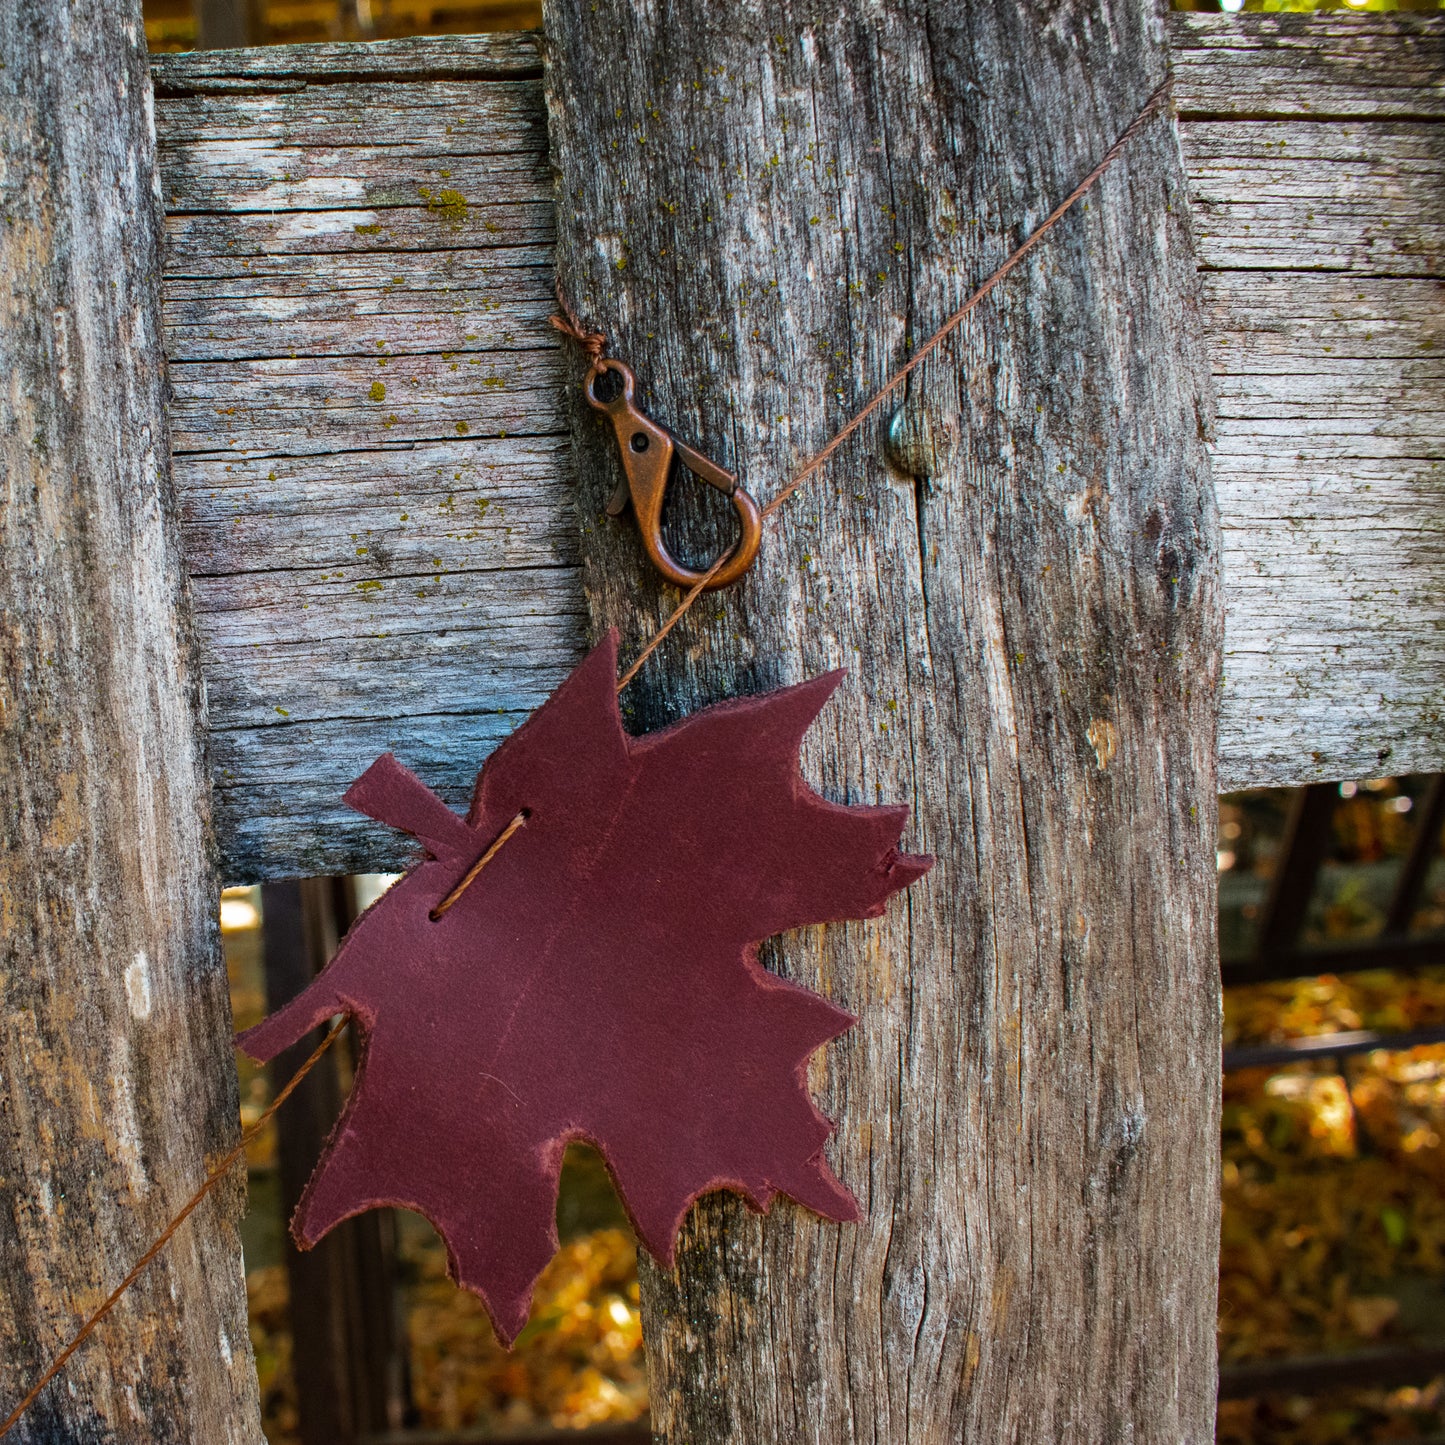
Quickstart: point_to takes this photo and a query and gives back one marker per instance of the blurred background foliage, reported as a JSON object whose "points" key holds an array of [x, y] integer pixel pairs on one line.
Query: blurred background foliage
{"points": [[1333, 1170]]}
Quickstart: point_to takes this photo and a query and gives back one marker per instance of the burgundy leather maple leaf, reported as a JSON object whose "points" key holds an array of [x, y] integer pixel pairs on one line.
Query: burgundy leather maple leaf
{"points": [[598, 980]]}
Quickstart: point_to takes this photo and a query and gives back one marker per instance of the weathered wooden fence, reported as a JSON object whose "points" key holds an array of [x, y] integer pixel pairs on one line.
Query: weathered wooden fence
{"points": [[378, 507], [313, 255]]}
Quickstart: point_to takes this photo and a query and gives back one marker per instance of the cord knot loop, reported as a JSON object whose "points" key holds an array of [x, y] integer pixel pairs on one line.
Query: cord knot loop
{"points": [[593, 343]]}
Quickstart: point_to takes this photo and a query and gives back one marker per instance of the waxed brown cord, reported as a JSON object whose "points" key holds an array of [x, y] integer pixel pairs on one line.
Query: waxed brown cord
{"points": [[471, 874], [594, 343]]}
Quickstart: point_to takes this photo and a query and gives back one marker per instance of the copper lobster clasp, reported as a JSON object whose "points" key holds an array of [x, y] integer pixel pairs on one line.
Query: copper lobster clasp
{"points": [[648, 451]]}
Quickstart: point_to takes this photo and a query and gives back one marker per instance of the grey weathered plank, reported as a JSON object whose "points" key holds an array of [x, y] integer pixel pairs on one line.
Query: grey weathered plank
{"points": [[292, 407], [1028, 616], [1318, 196], [117, 1089], [1324, 249], [362, 172], [1331, 447], [419, 123], [419, 510], [372, 573], [275, 69], [251, 243], [272, 309], [1324, 671], [1328, 66]]}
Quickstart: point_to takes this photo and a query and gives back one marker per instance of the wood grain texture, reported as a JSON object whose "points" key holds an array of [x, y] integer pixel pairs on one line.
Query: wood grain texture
{"points": [[1316, 159], [299, 239], [767, 212], [367, 423], [1326, 66], [1306, 195], [278, 68], [117, 1088]]}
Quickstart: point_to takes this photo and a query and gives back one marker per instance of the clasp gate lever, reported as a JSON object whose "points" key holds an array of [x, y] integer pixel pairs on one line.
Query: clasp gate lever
{"points": [[648, 451]]}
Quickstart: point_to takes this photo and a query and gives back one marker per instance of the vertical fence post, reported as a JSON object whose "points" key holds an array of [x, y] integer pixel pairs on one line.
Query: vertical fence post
{"points": [[117, 1086], [768, 209]]}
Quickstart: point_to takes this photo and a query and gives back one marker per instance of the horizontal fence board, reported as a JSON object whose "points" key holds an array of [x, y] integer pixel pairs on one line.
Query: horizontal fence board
{"points": [[479, 632], [405, 122], [366, 422], [1315, 151], [445, 507], [1318, 195], [353, 177], [398, 571], [1327, 66], [276, 69], [303, 405], [379, 306], [204, 245]]}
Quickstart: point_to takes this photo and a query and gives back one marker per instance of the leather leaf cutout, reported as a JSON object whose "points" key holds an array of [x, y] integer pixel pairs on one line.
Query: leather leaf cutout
{"points": [[598, 980]]}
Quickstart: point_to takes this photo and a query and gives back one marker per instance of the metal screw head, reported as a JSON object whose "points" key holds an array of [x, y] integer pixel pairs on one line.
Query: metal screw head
{"points": [[914, 443]]}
